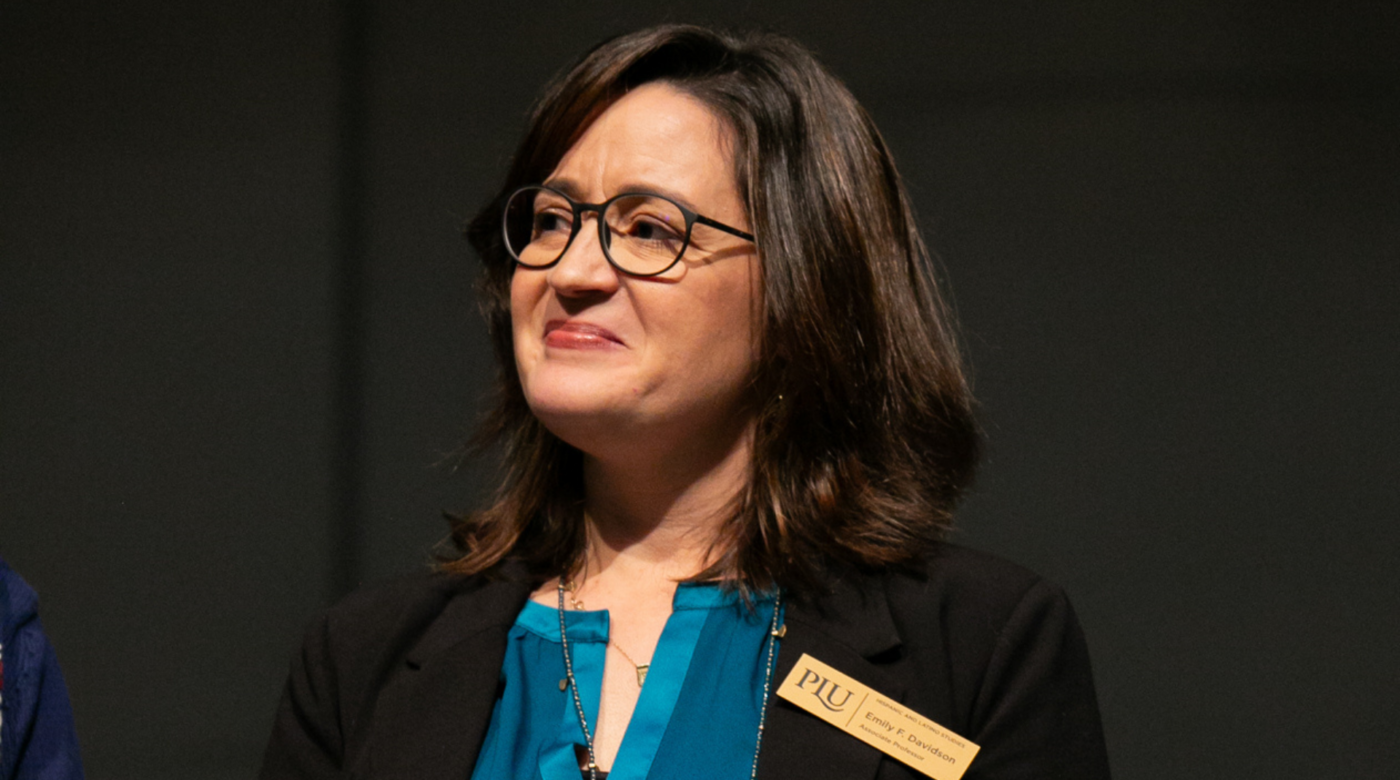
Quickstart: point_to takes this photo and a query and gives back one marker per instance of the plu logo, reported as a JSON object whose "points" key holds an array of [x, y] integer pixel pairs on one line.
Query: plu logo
{"points": [[875, 719], [829, 694]]}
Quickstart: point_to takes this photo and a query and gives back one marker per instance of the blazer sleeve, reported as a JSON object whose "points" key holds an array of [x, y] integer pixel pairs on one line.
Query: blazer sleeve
{"points": [[1036, 714], [307, 740]]}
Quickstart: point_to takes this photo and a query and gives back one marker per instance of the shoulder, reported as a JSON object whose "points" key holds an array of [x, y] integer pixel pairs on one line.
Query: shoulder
{"points": [[953, 611], [971, 587], [386, 620], [37, 738], [970, 573], [18, 603], [975, 604], [381, 607], [370, 631], [1001, 648], [357, 647], [21, 633]]}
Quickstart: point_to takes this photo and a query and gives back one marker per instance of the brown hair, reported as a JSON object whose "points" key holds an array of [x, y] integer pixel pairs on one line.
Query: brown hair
{"points": [[864, 434]]}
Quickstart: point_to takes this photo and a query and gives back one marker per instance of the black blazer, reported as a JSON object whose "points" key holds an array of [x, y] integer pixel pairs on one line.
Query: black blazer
{"points": [[399, 680]]}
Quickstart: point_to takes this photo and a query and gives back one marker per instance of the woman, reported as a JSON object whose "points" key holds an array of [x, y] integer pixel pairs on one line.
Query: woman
{"points": [[734, 426]]}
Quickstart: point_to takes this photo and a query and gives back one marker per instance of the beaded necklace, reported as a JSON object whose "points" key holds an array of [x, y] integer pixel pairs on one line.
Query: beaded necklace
{"points": [[775, 633]]}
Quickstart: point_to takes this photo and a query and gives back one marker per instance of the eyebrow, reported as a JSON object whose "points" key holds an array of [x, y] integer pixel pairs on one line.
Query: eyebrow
{"points": [[570, 188]]}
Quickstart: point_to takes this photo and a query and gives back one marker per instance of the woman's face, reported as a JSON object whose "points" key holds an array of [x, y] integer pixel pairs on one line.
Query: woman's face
{"points": [[603, 356]]}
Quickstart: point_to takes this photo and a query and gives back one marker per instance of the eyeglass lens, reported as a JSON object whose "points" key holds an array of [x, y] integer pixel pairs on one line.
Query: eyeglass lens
{"points": [[645, 233]]}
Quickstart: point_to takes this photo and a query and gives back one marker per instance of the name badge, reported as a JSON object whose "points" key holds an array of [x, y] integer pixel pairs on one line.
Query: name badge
{"points": [[877, 720]]}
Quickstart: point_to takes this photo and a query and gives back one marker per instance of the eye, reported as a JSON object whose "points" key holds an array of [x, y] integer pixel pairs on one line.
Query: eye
{"points": [[646, 229], [551, 221], [647, 220]]}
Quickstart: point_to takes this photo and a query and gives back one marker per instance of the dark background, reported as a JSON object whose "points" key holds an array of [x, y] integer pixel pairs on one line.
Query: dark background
{"points": [[237, 339]]}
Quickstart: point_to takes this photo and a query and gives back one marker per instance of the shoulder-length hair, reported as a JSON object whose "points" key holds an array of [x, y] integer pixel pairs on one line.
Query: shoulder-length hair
{"points": [[864, 434]]}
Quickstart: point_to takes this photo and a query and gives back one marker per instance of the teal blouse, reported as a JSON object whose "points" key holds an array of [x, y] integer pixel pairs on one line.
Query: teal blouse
{"points": [[697, 715]]}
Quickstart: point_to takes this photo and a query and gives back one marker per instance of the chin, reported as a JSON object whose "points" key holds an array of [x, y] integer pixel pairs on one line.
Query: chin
{"points": [[572, 411], [594, 418], [562, 407], [596, 432]]}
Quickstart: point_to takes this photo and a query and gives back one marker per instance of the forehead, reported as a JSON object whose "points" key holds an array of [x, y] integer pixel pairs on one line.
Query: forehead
{"points": [[657, 138]]}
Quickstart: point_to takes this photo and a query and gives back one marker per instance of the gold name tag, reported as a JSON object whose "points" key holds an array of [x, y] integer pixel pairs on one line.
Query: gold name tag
{"points": [[877, 720]]}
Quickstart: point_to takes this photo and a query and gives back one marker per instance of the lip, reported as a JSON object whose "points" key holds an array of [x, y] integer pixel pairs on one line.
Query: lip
{"points": [[575, 334]]}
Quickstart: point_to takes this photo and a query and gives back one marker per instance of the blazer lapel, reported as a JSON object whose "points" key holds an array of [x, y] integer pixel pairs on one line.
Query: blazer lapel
{"points": [[431, 717], [845, 630]]}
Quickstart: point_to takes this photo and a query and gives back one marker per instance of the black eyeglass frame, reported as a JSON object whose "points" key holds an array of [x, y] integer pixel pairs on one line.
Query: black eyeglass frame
{"points": [[691, 218]]}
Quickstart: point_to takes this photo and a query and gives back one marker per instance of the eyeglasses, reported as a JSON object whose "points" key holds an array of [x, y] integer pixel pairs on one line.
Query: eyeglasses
{"points": [[641, 234]]}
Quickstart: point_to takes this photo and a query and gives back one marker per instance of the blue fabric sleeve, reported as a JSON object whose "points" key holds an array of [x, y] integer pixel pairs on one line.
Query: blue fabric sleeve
{"points": [[37, 737]]}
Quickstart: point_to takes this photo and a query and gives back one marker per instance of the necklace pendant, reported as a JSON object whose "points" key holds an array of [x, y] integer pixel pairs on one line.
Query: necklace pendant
{"points": [[642, 674]]}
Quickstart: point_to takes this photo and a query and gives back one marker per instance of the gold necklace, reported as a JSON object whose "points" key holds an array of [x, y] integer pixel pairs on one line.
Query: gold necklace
{"points": [[641, 668], [577, 603]]}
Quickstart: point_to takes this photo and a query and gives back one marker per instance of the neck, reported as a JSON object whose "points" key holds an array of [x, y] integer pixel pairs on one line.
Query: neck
{"points": [[660, 513]]}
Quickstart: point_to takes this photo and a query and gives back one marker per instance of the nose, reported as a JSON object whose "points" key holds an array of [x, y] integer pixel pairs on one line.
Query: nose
{"points": [[584, 269]]}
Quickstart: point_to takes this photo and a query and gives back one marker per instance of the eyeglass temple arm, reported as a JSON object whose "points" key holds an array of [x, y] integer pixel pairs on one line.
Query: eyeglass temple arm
{"points": [[721, 226]]}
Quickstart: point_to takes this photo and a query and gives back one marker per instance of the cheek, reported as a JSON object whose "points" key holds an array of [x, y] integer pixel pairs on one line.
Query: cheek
{"points": [[736, 307], [721, 339], [525, 293]]}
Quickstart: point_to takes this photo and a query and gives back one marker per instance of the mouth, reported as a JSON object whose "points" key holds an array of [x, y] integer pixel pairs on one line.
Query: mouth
{"points": [[570, 334]]}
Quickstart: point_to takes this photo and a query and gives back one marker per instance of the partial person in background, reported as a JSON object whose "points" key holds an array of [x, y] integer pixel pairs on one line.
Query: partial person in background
{"points": [[37, 739], [734, 425]]}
